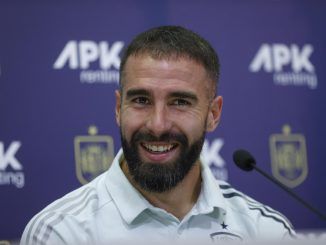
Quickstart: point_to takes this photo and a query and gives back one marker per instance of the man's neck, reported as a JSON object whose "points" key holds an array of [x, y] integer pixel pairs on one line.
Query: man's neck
{"points": [[177, 201]]}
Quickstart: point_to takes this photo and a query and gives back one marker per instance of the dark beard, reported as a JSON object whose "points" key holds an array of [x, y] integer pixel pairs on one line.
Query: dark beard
{"points": [[160, 177]]}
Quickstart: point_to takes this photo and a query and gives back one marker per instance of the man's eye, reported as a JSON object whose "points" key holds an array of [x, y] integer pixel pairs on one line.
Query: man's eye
{"points": [[141, 100], [181, 102]]}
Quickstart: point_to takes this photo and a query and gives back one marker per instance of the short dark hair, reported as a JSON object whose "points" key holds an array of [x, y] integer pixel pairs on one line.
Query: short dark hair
{"points": [[174, 42]]}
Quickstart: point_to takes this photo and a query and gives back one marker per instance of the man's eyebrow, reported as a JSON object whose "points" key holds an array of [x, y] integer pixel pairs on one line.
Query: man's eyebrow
{"points": [[134, 92], [184, 95]]}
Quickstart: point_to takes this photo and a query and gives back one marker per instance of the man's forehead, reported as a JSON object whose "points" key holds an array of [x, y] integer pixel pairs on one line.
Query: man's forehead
{"points": [[170, 56], [147, 66], [181, 68]]}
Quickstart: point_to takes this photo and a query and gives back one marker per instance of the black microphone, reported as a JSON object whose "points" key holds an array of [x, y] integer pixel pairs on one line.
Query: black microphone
{"points": [[244, 160]]}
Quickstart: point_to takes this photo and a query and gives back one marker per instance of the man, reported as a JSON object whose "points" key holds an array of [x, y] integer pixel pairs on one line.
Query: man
{"points": [[157, 188]]}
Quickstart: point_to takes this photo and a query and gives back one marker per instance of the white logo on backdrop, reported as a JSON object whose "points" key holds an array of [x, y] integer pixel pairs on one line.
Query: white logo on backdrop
{"points": [[211, 155], [290, 64], [10, 168], [98, 62]]}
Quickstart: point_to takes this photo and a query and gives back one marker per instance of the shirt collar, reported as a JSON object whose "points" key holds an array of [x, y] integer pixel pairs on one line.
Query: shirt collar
{"points": [[124, 193], [210, 196]]}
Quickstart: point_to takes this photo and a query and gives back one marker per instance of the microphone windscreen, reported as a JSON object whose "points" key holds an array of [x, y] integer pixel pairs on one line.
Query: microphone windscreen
{"points": [[244, 160]]}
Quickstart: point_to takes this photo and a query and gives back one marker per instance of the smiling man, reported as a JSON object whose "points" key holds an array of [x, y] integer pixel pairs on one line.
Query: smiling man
{"points": [[158, 188]]}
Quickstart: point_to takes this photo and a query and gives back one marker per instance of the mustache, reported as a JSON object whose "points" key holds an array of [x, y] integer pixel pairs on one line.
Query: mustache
{"points": [[167, 136]]}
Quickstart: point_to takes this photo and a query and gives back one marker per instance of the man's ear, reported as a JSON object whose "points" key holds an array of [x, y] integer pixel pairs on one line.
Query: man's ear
{"points": [[117, 106], [214, 114]]}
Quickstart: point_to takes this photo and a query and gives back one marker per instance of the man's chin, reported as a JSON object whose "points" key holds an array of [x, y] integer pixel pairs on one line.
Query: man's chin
{"points": [[158, 165]]}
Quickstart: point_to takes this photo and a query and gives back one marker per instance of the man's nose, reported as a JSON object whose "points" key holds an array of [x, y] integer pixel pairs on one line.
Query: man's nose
{"points": [[159, 121]]}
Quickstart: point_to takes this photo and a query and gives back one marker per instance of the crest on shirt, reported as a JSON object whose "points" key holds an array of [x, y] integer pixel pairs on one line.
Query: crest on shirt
{"points": [[93, 154], [289, 157], [225, 236]]}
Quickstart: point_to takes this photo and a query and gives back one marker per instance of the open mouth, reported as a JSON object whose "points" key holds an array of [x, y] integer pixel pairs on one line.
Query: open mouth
{"points": [[159, 148]]}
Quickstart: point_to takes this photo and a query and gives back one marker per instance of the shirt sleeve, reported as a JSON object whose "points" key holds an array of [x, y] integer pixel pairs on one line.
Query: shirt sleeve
{"points": [[58, 230], [273, 225]]}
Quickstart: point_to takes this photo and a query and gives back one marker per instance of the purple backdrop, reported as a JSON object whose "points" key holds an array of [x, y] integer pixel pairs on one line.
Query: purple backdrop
{"points": [[58, 73]]}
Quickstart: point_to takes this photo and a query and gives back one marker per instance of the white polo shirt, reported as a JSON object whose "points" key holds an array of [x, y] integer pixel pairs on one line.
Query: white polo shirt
{"points": [[110, 210]]}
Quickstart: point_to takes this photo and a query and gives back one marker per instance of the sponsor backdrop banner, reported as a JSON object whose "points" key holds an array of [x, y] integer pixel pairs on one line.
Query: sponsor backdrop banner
{"points": [[59, 69]]}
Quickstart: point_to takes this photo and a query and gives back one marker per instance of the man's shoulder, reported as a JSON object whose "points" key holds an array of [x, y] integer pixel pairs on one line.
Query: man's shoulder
{"points": [[86, 199], [72, 210], [262, 215], [235, 197]]}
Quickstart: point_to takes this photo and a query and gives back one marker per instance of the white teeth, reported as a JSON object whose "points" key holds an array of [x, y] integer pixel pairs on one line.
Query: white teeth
{"points": [[160, 148]]}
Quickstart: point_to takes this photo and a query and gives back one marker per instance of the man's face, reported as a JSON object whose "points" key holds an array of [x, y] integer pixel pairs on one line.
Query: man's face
{"points": [[163, 113]]}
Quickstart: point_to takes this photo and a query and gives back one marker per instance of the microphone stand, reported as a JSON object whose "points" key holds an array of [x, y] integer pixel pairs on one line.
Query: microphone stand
{"points": [[295, 196]]}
